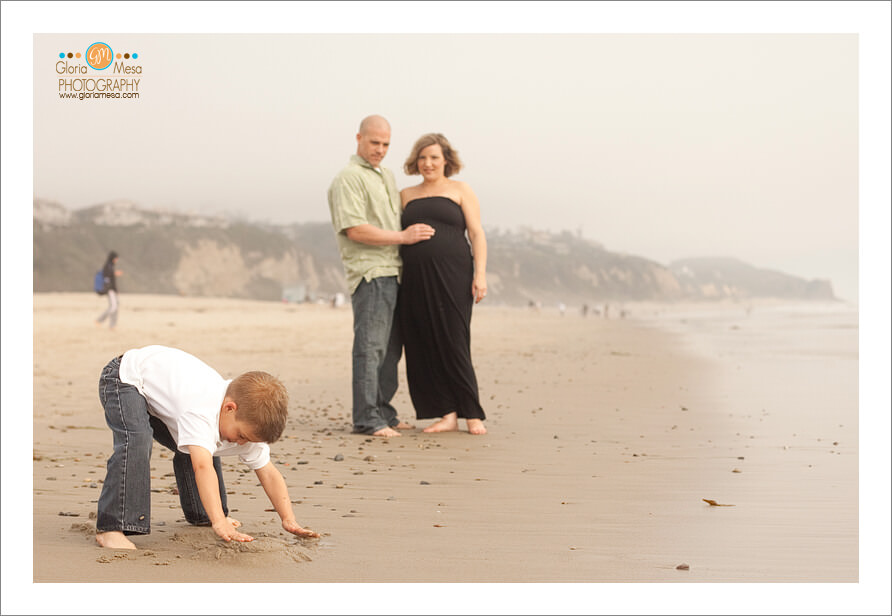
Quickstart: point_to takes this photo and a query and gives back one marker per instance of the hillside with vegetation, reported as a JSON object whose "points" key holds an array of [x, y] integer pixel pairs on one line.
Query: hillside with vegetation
{"points": [[174, 253]]}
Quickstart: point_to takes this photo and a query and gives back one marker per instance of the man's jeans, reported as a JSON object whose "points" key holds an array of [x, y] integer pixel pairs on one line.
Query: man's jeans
{"points": [[125, 500], [377, 348]]}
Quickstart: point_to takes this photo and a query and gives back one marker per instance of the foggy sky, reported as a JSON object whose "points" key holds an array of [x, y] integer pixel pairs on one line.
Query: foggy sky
{"points": [[660, 145]]}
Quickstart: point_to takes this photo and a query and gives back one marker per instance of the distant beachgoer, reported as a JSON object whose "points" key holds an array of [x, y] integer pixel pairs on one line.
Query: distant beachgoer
{"points": [[442, 280], [110, 273], [365, 213], [165, 394]]}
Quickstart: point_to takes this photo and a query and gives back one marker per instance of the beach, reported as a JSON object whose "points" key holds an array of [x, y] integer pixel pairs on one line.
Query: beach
{"points": [[607, 437]]}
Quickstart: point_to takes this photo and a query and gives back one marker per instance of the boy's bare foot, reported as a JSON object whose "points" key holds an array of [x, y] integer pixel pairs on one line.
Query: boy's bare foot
{"points": [[404, 426], [475, 426], [449, 423], [386, 432], [115, 540]]}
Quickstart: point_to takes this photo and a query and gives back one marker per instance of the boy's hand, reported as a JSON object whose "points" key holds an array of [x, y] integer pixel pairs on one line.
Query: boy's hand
{"points": [[209, 492], [274, 485], [295, 529], [227, 532]]}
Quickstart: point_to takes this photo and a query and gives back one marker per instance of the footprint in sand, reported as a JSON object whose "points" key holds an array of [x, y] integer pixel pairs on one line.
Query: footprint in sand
{"points": [[87, 530], [107, 558]]}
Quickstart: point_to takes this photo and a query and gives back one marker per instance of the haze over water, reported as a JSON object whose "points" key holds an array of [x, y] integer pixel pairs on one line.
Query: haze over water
{"points": [[661, 145]]}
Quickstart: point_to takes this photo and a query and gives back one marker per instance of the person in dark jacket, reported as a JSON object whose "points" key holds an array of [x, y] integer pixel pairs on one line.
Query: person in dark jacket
{"points": [[110, 272]]}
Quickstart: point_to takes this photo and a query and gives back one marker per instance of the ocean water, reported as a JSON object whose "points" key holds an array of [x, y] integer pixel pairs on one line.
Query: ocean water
{"points": [[759, 330], [797, 362], [788, 392]]}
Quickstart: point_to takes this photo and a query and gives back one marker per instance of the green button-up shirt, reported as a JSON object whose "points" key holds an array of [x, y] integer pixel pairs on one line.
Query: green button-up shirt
{"points": [[360, 195]]}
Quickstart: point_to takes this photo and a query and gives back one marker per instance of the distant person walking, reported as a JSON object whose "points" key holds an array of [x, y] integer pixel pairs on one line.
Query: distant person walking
{"points": [[365, 213], [110, 273]]}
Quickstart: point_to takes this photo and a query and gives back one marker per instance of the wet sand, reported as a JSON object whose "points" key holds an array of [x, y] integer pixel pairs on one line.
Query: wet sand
{"points": [[606, 438]]}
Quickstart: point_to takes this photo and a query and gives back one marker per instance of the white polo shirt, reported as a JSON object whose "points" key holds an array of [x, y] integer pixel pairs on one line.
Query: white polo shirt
{"points": [[187, 395]]}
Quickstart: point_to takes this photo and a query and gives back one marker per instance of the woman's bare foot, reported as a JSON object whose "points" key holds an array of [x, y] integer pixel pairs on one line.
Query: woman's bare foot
{"points": [[386, 432], [115, 540], [235, 523], [404, 426], [449, 423], [475, 426]]}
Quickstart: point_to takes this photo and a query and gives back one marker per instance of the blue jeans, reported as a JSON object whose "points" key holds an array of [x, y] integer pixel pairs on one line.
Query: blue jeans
{"points": [[125, 500], [377, 348]]}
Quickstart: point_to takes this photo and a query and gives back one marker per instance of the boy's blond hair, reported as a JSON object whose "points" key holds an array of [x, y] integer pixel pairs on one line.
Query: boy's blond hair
{"points": [[262, 403]]}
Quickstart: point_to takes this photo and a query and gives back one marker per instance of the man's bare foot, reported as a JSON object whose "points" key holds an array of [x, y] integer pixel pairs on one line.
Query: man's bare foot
{"points": [[235, 523], [475, 426], [115, 540], [386, 432], [404, 426], [449, 423]]}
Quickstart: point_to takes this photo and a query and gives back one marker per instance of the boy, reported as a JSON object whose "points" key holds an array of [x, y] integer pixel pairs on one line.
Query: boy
{"points": [[169, 395]]}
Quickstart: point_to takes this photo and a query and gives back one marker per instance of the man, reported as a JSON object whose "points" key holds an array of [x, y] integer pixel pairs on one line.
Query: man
{"points": [[365, 213]]}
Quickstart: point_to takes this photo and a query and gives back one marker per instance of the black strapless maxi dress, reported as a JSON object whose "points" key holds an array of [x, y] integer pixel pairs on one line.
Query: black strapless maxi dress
{"points": [[435, 304]]}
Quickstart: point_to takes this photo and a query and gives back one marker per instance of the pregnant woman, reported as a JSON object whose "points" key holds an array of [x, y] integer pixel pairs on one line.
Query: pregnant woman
{"points": [[442, 279]]}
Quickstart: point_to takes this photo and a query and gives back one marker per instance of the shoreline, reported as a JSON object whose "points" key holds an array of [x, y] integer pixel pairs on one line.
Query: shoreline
{"points": [[604, 440]]}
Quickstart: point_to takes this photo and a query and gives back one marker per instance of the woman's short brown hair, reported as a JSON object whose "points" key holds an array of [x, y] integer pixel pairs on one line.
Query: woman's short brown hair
{"points": [[453, 162], [262, 403]]}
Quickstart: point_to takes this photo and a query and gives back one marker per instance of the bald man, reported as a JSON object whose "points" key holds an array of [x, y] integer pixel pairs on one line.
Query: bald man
{"points": [[365, 213]]}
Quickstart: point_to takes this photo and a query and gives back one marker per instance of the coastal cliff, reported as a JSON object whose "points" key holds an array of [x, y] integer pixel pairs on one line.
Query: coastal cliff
{"points": [[175, 253]]}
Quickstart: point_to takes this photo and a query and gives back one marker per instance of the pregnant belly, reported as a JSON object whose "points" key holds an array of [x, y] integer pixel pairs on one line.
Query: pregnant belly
{"points": [[447, 243]]}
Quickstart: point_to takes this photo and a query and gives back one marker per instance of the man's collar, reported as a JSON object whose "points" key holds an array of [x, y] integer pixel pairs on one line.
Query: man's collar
{"points": [[359, 160]]}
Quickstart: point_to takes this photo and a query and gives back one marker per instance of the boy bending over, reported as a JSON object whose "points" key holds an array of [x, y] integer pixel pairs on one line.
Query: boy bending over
{"points": [[168, 395]]}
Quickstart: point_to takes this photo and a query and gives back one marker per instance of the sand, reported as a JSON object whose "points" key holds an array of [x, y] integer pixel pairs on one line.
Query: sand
{"points": [[605, 437]]}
